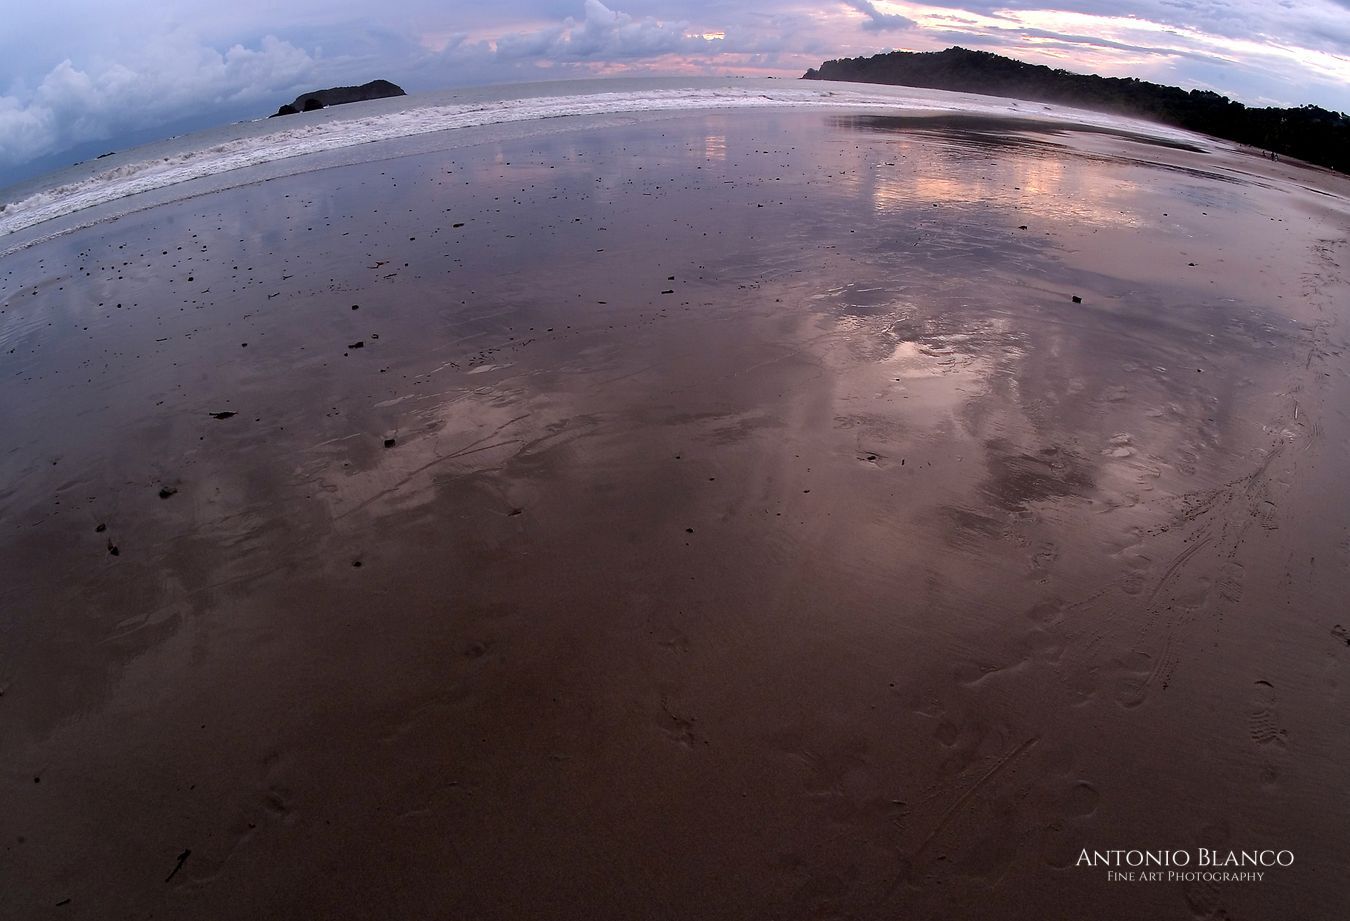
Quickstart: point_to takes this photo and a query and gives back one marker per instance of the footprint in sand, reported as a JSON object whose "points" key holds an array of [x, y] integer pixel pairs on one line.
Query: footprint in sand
{"points": [[1061, 844], [1131, 678], [1064, 837], [1136, 565], [1041, 560], [1137, 572], [1047, 612], [1263, 719], [1203, 899], [1082, 799], [677, 725], [1264, 727], [276, 802], [1121, 445], [1229, 583]]}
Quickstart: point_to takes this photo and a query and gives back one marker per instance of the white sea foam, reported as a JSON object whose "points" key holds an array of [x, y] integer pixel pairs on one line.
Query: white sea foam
{"points": [[298, 138]]}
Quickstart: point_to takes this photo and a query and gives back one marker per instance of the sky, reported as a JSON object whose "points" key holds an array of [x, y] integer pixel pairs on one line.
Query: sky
{"points": [[79, 76]]}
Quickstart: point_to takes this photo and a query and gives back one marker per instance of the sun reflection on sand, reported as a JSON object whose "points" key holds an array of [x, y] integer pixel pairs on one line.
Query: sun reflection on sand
{"points": [[1022, 183], [715, 146]]}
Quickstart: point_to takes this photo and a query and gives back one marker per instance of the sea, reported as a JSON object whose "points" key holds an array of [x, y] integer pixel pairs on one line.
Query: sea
{"points": [[237, 154]]}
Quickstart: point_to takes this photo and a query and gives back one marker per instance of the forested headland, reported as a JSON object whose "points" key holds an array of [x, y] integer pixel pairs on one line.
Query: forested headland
{"points": [[1308, 133]]}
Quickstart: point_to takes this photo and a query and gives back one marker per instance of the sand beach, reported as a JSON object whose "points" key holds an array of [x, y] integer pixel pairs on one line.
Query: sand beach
{"points": [[745, 514]]}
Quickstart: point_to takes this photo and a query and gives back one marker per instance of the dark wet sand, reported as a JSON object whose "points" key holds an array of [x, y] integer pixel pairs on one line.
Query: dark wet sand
{"points": [[862, 575]]}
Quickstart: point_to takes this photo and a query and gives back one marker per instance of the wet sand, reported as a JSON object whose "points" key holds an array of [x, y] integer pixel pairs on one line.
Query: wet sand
{"points": [[736, 517]]}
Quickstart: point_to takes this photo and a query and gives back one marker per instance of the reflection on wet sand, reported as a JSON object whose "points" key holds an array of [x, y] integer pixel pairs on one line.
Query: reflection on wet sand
{"points": [[742, 515]]}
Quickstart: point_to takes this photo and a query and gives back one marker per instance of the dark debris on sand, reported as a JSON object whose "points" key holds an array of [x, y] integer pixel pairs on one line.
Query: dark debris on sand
{"points": [[182, 859]]}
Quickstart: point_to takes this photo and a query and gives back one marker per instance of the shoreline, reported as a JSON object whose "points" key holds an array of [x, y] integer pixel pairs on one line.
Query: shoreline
{"points": [[263, 143]]}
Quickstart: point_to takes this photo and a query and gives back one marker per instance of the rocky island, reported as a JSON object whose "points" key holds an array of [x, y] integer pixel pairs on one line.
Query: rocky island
{"points": [[339, 95]]}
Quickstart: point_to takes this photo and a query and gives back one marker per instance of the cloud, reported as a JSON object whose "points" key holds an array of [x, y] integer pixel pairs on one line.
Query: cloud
{"points": [[601, 34], [600, 41], [1293, 22], [878, 21], [72, 104]]}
